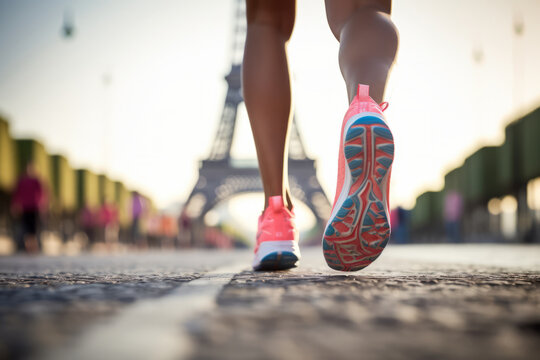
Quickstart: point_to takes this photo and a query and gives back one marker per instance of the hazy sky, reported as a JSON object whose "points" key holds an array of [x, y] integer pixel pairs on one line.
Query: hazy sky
{"points": [[138, 91]]}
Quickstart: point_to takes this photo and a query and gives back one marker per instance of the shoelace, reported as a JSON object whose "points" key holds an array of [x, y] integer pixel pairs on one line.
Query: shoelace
{"points": [[383, 105]]}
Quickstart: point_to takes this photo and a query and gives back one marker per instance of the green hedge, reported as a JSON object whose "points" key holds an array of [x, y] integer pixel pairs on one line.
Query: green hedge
{"points": [[456, 180], [506, 167], [107, 189], [529, 147], [64, 184], [123, 203], [481, 170], [492, 171], [428, 209], [8, 168], [87, 189]]}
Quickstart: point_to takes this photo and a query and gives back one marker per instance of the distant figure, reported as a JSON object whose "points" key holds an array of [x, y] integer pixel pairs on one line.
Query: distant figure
{"points": [[87, 221], [29, 200], [400, 225], [453, 210], [137, 210], [169, 231], [184, 230], [107, 220]]}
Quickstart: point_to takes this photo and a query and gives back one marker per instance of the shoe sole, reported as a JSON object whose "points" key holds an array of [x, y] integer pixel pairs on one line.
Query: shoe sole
{"points": [[277, 255], [358, 229]]}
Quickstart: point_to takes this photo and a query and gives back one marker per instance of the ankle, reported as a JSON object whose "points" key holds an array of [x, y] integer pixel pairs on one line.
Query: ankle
{"points": [[286, 200]]}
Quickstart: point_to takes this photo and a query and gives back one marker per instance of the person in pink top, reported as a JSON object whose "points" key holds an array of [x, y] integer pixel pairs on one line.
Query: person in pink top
{"points": [[453, 211], [358, 228], [29, 200], [107, 220]]}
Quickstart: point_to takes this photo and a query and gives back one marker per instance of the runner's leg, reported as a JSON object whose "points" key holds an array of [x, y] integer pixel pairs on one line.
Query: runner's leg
{"points": [[368, 42], [267, 88]]}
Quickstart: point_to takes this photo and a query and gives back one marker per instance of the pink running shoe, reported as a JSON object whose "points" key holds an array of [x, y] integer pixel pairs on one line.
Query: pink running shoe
{"points": [[277, 238], [359, 228]]}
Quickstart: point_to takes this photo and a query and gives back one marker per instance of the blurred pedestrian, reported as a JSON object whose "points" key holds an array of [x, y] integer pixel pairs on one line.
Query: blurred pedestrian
{"points": [[29, 201], [88, 223], [137, 211], [169, 231], [359, 227], [108, 222], [400, 225], [453, 211], [185, 230]]}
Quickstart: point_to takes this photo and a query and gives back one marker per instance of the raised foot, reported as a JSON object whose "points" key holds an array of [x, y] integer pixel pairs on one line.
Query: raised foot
{"points": [[360, 229]]}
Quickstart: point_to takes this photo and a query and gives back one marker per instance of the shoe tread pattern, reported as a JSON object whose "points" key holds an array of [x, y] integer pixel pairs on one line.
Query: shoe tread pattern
{"points": [[360, 229]]}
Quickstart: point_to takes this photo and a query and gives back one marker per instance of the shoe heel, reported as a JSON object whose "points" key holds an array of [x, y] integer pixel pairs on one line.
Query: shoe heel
{"points": [[279, 260], [277, 255]]}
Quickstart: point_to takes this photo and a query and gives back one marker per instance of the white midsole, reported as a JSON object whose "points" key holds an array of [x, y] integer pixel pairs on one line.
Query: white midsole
{"points": [[348, 177], [269, 247]]}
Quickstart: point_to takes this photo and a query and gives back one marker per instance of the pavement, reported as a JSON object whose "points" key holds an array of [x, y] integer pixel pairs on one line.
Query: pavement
{"points": [[415, 302]]}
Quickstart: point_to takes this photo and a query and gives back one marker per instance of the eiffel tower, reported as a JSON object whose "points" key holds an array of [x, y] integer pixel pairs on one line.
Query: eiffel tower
{"points": [[221, 177]]}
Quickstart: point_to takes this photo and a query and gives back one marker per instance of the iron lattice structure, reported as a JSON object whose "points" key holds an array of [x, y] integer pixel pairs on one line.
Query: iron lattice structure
{"points": [[222, 177]]}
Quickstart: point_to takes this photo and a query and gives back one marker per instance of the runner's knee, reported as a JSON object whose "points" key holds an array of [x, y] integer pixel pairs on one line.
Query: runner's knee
{"points": [[339, 12], [277, 14]]}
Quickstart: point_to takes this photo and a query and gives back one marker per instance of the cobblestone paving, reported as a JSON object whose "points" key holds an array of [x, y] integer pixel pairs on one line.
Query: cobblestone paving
{"points": [[414, 303], [398, 310], [42, 311], [46, 302]]}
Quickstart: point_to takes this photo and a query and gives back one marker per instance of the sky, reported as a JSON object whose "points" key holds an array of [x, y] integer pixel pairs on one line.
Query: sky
{"points": [[137, 92]]}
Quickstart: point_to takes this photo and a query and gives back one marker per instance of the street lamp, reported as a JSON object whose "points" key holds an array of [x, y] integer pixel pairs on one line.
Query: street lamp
{"points": [[68, 27]]}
